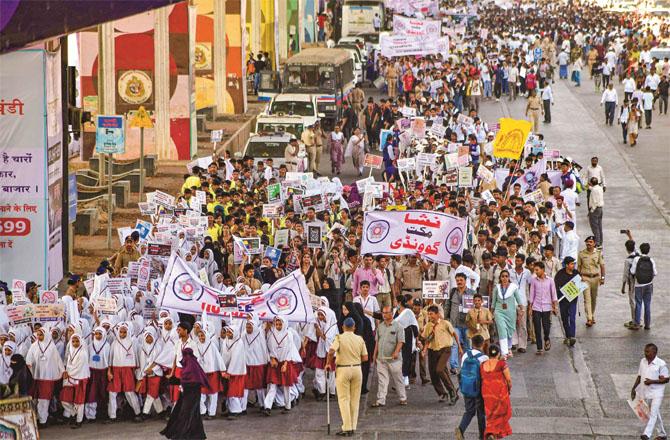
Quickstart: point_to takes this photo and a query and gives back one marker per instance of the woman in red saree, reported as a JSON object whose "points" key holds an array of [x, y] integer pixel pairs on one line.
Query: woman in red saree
{"points": [[496, 386]]}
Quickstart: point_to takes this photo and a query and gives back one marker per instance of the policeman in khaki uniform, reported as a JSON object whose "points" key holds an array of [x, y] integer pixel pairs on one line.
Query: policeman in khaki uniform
{"points": [[349, 351], [591, 266], [308, 138], [391, 75]]}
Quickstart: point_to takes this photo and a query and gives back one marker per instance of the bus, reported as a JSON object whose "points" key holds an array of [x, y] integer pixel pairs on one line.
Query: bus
{"points": [[358, 15], [327, 74]]}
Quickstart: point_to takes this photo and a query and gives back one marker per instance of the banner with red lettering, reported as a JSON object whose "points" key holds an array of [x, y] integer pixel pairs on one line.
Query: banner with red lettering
{"points": [[434, 235], [182, 291]]}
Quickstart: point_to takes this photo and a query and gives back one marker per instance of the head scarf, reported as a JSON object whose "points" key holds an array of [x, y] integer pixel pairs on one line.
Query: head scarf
{"points": [[209, 356], [191, 371], [77, 361], [44, 358], [256, 349], [99, 350], [21, 375]]}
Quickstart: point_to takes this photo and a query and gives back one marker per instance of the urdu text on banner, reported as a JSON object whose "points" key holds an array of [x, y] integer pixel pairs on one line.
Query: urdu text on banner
{"points": [[434, 235]]}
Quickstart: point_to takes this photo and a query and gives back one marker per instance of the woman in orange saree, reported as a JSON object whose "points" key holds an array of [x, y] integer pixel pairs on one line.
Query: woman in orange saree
{"points": [[496, 386]]}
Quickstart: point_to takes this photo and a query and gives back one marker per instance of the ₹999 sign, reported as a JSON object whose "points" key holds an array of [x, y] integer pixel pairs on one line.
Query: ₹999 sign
{"points": [[14, 227]]}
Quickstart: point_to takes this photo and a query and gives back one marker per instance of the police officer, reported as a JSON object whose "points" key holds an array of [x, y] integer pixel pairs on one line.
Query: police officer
{"points": [[291, 154], [308, 138], [349, 351], [591, 266]]}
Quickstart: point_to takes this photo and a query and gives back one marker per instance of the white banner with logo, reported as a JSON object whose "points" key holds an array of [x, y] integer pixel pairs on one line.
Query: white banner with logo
{"points": [[407, 45], [434, 235], [182, 291], [413, 26]]}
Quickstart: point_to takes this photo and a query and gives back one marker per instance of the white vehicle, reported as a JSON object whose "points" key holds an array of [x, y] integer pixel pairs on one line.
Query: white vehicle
{"points": [[358, 16], [295, 104], [356, 43], [280, 124], [264, 146], [358, 63]]}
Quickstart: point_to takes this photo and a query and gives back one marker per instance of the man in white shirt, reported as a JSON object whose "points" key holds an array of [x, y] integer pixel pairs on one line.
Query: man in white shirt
{"points": [[596, 203], [569, 241], [596, 171], [369, 303], [652, 376], [521, 276], [647, 106], [570, 196], [628, 87], [472, 277], [610, 99], [547, 101]]}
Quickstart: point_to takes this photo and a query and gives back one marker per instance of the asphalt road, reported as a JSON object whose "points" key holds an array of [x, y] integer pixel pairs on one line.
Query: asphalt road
{"points": [[571, 394]]}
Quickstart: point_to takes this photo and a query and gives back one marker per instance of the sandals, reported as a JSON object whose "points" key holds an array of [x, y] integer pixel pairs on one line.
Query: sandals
{"points": [[547, 345], [381, 405]]}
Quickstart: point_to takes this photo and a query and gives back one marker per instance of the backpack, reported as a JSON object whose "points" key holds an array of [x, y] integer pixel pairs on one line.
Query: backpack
{"points": [[644, 270], [470, 377]]}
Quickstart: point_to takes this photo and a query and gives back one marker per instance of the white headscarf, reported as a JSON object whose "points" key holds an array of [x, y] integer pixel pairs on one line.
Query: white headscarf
{"points": [[123, 349], [148, 353], [209, 356], [281, 344], [255, 344], [5, 362], [232, 352], [76, 363], [43, 358], [99, 350], [328, 328]]}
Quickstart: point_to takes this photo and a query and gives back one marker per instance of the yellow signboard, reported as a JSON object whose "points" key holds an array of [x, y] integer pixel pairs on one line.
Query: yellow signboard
{"points": [[511, 138], [141, 119]]}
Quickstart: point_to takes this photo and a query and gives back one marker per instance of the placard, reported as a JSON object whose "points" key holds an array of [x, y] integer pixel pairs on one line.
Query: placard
{"points": [[465, 120], [425, 160], [281, 237], [143, 274], [163, 199], [573, 288], [408, 112], [159, 250], [216, 135], [435, 290], [274, 193], [252, 245], [272, 211], [535, 196], [228, 302], [274, 254], [110, 134], [314, 234], [105, 306], [465, 177], [372, 161], [48, 297], [406, 164]]}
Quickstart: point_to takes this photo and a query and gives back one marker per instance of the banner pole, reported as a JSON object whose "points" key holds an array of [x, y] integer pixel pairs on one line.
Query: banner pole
{"points": [[328, 373]]}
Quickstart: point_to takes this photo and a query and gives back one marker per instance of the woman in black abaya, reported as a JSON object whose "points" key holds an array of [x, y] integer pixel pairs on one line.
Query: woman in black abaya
{"points": [[185, 421]]}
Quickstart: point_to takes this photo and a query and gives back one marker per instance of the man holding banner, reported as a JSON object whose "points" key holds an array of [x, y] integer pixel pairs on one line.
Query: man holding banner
{"points": [[568, 288]]}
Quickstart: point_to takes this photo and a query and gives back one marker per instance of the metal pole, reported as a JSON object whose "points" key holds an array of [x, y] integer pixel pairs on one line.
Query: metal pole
{"points": [[328, 373], [109, 201], [141, 163]]}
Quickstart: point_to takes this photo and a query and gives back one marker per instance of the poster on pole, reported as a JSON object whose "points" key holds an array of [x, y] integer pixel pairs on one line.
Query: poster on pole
{"points": [[110, 134], [435, 290]]}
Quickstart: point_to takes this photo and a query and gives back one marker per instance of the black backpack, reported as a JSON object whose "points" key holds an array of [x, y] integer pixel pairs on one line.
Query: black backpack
{"points": [[644, 270]]}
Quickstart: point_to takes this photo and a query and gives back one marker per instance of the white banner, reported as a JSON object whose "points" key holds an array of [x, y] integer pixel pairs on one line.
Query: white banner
{"points": [[406, 45], [412, 26], [434, 235], [182, 291]]}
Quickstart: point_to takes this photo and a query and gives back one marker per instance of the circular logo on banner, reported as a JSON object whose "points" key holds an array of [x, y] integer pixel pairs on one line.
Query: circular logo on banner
{"points": [[283, 302], [185, 288], [135, 86], [377, 231], [432, 29], [203, 56], [454, 241], [49, 297]]}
